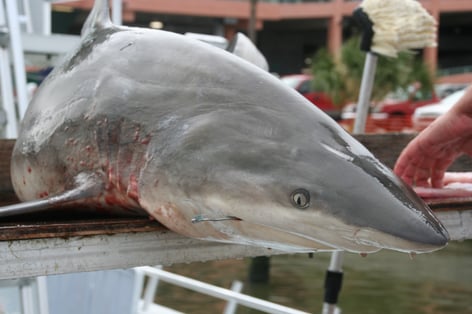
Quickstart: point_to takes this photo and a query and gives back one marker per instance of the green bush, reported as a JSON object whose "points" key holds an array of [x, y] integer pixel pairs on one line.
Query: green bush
{"points": [[340, 76]]}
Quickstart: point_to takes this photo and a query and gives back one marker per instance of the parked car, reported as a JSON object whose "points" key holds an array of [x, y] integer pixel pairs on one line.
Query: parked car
{"points": [[445, 89], [349, 111], [423, 116], [303, 83], [405, 102], [376, 122]]}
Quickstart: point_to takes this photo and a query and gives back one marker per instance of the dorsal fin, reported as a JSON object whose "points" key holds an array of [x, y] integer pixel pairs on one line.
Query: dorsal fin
{"points": [[98, 18], [244, 48]]}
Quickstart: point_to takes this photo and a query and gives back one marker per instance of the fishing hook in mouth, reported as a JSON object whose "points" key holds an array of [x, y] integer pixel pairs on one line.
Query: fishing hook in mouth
{"points": [[202, 218]]}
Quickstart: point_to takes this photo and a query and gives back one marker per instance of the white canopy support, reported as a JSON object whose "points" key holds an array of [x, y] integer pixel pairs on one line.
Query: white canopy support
{"points": [[16, 47], [6, 84]]}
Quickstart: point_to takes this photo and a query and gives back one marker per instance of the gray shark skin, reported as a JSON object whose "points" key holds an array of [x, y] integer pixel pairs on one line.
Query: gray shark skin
{"points": [[209, 145]]}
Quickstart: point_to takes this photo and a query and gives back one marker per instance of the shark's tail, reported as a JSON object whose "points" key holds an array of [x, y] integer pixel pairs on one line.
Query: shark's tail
{"points": [[98, 18]]}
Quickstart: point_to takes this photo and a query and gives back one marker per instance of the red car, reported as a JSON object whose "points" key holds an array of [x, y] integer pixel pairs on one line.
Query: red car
{"points": [[303, 83], [405, 104], [393, 114]]}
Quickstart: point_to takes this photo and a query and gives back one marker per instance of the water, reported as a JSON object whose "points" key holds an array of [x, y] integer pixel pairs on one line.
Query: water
{"points": [[384, 282]]}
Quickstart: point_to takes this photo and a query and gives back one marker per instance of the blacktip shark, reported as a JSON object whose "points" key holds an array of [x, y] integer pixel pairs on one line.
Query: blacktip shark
{"points": [[208, 144]]}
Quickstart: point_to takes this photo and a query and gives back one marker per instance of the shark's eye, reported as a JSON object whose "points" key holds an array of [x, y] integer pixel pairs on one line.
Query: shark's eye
{"points": [[300, 198]]}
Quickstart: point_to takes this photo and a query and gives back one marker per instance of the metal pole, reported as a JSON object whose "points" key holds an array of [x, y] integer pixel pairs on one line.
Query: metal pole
{"points": [[232, 305], [46, 22], [116, 12], [365, 93], [6, 88], [333, 283], [259, 270], [17, 53], [26, 16], [252, 21]]}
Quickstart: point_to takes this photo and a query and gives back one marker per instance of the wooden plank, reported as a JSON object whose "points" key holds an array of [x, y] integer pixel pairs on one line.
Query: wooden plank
{"points": [[57, 255], [7, 195], [49, 256], [450, 204], [73, 228], [457, 223]]}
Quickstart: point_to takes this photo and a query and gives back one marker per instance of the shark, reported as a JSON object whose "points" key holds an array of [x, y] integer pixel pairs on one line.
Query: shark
{"points": [[210, 145]]}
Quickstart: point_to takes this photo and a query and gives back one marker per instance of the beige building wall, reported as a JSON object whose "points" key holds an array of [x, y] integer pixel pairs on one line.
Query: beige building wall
{"points": [[333, 11]]}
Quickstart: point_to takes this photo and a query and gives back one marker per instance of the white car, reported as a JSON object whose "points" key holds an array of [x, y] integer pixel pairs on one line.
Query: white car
{"points": [[423, 116]]}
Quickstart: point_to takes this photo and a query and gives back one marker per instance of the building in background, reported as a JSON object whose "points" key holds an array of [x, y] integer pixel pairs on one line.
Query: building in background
{"points": [[289, 32]]}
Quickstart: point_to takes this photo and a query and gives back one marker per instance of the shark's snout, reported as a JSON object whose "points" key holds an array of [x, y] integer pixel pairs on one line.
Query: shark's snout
{"points": [[420, 234], [436, 235], [387, 211], [421, 226]]}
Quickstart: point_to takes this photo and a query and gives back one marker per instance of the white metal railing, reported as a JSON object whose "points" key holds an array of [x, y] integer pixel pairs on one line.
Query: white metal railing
{"points": [[233, 297], [10, 24], [16, 26], [25, 295]]}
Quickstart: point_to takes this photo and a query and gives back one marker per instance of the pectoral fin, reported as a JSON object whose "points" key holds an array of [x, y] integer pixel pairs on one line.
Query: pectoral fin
{"points": [[86, 185]]}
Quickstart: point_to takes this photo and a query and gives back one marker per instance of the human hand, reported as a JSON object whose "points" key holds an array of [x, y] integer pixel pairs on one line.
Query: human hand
{"points": [[426, 158]]}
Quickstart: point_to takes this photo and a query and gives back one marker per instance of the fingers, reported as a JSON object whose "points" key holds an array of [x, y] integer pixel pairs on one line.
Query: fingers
{"points": [[437, 176], [423, 162], [438, 170], [423, 172], [401, 170], [403, 167], [413, 167], [418, 168]]}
